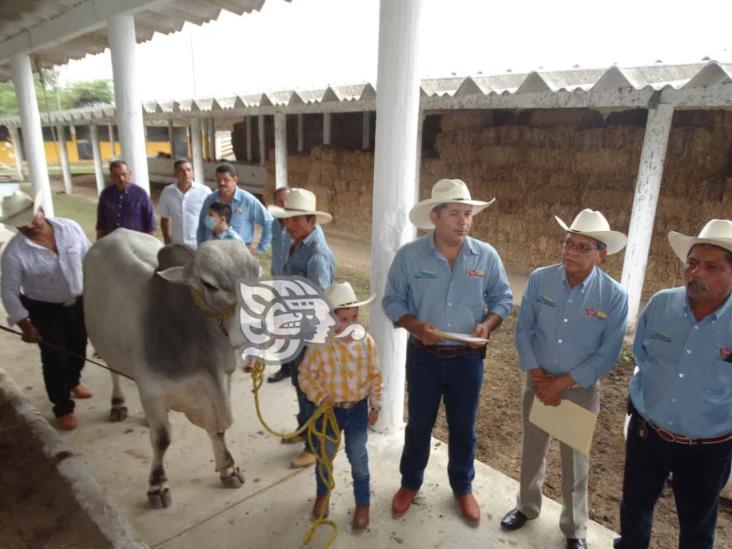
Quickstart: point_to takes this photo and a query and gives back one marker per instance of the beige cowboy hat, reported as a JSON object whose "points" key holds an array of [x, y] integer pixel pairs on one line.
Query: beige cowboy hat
{"points": [[19, 209], [341, 295], [299, 202], [445, 191], [717, 232], [593, 224]]}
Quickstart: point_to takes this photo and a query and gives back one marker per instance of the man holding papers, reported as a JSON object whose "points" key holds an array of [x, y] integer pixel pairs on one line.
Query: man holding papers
{"points": [[681, 395], [569, 333], [448, 281]]}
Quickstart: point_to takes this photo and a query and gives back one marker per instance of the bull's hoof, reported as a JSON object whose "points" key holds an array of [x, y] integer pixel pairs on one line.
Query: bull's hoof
{"points": [[118, 413], [233, 480], [159, 498]]}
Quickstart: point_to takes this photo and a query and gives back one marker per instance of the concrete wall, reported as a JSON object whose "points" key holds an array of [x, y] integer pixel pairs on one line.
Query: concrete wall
{"points": [[543, 163]]}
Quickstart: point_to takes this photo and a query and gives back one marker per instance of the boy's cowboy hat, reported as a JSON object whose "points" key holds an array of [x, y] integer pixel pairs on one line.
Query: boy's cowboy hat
{"points": [[341, 295], [717, 232], [445, 191], [19, 209], [593, 224], [299, 202]]}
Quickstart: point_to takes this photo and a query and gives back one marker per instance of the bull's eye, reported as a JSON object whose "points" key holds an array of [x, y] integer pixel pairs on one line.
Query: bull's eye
{"points": [[209, 287]]}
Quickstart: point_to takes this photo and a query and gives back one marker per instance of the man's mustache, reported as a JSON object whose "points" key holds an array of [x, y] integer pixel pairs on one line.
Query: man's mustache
{"points": [[696, 283]]}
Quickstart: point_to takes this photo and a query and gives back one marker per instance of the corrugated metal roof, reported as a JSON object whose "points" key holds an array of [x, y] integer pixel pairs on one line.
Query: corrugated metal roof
{"points": [[700, 85]]}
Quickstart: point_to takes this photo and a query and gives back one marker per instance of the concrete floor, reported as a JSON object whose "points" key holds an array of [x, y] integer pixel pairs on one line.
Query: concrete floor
{"points": [[272, 508]]}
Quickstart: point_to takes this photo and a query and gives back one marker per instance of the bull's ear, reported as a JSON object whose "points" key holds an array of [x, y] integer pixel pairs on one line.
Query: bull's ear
{"points": [[176, 275]]}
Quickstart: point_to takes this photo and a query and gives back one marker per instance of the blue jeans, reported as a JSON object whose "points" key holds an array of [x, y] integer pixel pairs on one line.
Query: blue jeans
{"points": [[457, 381], [353, 423], [305, 408], [699, 474]]}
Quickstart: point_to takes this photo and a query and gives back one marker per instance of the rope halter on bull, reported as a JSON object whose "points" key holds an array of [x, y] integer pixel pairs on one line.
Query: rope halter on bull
{"points": [[321, 426], [206, 309]]}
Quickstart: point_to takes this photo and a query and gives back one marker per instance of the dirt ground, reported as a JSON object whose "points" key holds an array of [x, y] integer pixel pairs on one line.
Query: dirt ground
{"points": [[36, 508]]}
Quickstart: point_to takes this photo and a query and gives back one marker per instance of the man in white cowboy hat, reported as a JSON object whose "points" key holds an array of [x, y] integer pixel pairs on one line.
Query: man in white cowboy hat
{"points": [[41, 287], [311, 258], [449, 281], [681, 395], [569, 333]]}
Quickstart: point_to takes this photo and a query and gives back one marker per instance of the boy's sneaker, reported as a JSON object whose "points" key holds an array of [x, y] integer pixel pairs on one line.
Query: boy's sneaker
{"points": [[303, 459]]}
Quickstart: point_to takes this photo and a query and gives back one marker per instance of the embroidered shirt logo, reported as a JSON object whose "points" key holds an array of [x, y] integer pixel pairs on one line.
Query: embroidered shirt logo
{"points": [[725, 353], [661, 336], [602, 315], [476, 273], [425, 274], [546, 300]]}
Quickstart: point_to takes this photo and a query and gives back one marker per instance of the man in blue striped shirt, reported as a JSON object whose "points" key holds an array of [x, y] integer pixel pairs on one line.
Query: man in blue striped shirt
{"points": [[569, 333], [448, 281], [681, 395]]}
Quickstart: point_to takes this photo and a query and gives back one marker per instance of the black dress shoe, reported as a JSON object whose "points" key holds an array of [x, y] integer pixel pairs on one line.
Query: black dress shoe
{"points": [[279, 375], [576, 543], [514, 520]]}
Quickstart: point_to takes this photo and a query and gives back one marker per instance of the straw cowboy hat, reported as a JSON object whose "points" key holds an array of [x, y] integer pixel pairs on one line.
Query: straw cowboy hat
{"points": [[443, 192], [341, 295], [593, 224], [299, 202], [19, 209], [717, 232]]}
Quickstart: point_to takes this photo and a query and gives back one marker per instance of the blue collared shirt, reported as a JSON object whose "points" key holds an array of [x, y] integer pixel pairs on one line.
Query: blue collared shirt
{"points": [[228, 234], [684, 378], [313, 260], [422, 284], [246, 210], [281, 242], [571, 330]]}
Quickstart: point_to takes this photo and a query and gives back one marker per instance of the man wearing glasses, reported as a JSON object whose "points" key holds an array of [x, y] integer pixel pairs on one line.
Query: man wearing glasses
{"points": [[569, 333]]}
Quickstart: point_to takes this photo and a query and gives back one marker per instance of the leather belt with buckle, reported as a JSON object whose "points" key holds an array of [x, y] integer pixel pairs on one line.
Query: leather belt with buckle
{"points": [[668, 436], [443, 351], [346, 404]]}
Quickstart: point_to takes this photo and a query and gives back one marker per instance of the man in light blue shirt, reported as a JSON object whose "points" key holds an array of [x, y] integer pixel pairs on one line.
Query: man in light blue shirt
{"points": [[448, 281], [246, 210], [569, 333], [681, 395]]}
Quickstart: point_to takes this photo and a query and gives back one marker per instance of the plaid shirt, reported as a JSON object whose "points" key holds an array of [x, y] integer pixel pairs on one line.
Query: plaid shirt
{"points": [[345, 371]]}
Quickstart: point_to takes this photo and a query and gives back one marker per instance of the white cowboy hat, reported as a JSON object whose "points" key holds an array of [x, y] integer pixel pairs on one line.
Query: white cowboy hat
{"points": [[444, 191], [19, 209], [717, 232], [341, 295], [299, 202], [593, 224]]}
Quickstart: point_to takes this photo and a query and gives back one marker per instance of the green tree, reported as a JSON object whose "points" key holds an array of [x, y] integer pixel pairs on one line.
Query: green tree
{"points": [[78, 94]]}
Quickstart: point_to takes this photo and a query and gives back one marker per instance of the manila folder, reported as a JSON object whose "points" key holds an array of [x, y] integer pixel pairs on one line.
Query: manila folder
{"points": [[569, 423]]}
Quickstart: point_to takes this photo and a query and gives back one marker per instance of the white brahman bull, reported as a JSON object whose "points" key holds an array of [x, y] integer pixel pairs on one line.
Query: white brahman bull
{"points": [[163, 316]]}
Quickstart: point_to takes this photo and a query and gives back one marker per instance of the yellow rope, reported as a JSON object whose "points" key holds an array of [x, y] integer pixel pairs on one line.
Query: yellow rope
{"points": [[202, 306], [329, 423]]}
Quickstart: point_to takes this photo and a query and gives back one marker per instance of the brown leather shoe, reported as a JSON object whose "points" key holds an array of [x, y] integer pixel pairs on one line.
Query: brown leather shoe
{"points": [[321, 505], [67, 422], [81, 392], [402, 501], [303, 459], [360, 519], [469, 508]]}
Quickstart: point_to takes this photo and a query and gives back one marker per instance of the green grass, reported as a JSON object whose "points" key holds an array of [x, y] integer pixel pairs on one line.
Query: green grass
{"points": [[81, 211], [75, 170]]}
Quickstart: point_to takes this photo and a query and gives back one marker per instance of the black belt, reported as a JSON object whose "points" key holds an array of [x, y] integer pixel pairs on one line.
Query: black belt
{"points": [[668, 436], [70, 303], [444, 351]]}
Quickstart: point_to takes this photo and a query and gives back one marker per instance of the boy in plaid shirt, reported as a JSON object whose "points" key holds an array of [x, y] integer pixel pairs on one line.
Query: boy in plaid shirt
{"points": [[345, 372]]}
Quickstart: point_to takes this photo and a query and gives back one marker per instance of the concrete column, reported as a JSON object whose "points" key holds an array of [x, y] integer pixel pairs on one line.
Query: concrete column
{"points": [[280, 128], [327, 117], [112, 152], [212, 139], [30, 121], [248, 122], [418, 162], [122, 44], [647, 189], [366, 131], [397, 111], [64, 159], [300, 132], [197, 151], [171, 138], [97, 154], [262, 144], [18, 148]]}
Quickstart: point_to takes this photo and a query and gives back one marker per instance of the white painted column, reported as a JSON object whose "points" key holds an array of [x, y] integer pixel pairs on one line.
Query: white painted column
{"points": [[418, 160], [262, 144], [122, 46], [327, 118], [171, 138], [647, 189], [30, 120], [280, 129], [248, 122], [197, 152], [366, 131], [64, 158], [18, 148], [300, 132], [97, 154], [212, 138], [110, 130], [397, 111]]}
